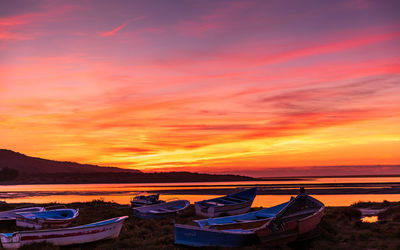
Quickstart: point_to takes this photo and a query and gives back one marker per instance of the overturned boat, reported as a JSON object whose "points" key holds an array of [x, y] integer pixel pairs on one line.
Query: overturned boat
{"points": [[160, 210], [107, 229], [231, 204], [46, 219]]}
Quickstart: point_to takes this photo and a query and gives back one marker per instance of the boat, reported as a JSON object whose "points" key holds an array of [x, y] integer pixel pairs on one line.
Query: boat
{"points": [[145, 200], [161, 210], [46, 219], [299, 219], [289, 221], [9, 215], [107, 229], [232, 204], [196, 236], [228, 231], [248, 220]]}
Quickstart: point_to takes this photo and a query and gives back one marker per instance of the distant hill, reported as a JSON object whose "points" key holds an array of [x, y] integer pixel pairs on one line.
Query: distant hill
{"points": [[32, 170], [32, 165]]}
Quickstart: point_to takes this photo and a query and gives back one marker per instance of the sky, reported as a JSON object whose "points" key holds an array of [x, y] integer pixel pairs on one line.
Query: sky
{"points": [[263, 88]]}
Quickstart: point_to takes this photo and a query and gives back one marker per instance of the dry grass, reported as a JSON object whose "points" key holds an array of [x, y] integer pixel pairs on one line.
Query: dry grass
{"points": [[341, 228]]}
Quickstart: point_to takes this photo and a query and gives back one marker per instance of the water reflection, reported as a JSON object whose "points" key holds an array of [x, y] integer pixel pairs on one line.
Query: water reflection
{"points": [[122, 192], [370, 219], [259, 201]]}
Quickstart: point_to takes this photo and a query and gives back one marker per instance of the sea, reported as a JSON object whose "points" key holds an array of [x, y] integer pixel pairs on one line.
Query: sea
{"points": [[122, 193]]}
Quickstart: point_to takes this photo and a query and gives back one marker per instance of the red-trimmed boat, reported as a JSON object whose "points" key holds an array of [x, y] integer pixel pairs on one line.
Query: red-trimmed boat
{"points": [[107, 229]]}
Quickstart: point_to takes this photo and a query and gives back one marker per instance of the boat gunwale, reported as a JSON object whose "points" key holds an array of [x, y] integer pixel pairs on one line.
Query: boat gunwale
{"points": [[229, 231], [75, 214], [90, 225]]}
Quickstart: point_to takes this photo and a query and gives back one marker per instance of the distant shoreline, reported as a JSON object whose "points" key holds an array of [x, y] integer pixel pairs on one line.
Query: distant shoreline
{"points": [[216, 189], [165, 177]]}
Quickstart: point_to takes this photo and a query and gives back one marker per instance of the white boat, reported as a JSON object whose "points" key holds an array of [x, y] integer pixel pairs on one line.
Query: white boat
{"points": [[46, 219], [160, 210], [10, 214], [107, 229]]}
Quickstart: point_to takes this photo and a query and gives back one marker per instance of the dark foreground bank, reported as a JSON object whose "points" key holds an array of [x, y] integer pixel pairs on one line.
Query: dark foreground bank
{"points": [[341, 228]]}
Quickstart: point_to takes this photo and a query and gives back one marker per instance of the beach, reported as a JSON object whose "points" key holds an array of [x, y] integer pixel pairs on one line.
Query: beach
{"points": [[341, 228]]}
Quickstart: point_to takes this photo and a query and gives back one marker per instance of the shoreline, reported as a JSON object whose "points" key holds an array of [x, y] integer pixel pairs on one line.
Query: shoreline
{"points": [[267, 189]]}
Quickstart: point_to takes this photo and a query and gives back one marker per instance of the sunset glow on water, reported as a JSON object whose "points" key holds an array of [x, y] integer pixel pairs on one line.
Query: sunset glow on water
{"points": [[123, 192]]}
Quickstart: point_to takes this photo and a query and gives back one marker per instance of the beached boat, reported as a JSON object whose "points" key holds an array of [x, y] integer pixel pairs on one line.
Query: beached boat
{"points": [[160, 210], [107, 229], [290, 221], [247, 220], [9, 215], [297, 220], [46, 219], [145, 200], [232, 204], [203, 237], [228, 231]]}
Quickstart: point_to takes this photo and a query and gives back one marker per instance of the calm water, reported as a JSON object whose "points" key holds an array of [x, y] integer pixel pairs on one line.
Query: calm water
{"points": [[122, 193]]}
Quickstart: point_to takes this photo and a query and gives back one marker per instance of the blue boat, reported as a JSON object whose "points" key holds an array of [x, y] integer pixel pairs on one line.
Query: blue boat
{"points": [[161, 210], [231, 204], [232, 221], [203, 237], [228, 231]]}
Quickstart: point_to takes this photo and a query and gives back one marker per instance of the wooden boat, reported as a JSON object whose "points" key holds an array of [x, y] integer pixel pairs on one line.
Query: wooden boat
{"points": [[203, 237], [228, 231], [300, 217], [10, 214], [247, 220], [145, 200], [107, 229], [46, 219], [232, 204], [294, 220], [160, 210]]}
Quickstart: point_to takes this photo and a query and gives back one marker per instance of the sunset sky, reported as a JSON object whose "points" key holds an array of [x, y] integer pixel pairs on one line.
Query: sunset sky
{"points": [[250, 87]]}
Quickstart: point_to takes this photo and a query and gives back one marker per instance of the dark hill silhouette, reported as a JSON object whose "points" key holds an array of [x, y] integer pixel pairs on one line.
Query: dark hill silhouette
{"points": [[33, 165], [32, 170]]}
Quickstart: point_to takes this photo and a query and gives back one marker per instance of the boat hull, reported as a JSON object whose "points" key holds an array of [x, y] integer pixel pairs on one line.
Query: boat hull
{"points": [[67, 236], [234, 204], [202, 237], [223, 210], [161, 210], [241, 220], [10, 215], [44, 219], [292, 226]]}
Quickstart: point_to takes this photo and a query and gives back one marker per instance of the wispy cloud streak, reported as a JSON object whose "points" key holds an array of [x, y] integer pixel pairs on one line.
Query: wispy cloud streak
{"points": [[120, 27]]}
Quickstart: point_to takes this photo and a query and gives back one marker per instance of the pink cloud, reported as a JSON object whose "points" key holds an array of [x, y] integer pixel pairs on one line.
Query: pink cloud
{"points": [[120, 27]]}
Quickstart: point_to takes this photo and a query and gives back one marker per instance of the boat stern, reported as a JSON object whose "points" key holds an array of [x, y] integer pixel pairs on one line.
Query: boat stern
{"points": [[10, 240]]}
